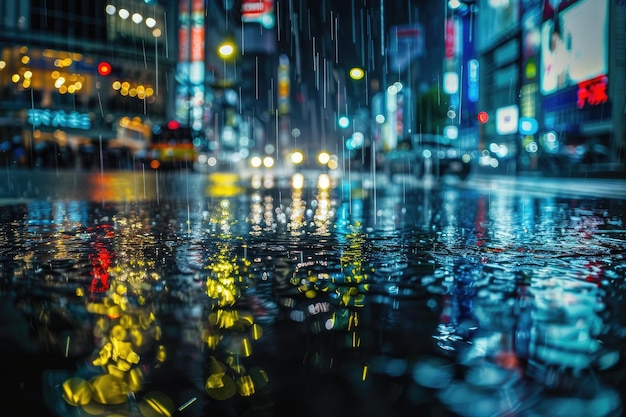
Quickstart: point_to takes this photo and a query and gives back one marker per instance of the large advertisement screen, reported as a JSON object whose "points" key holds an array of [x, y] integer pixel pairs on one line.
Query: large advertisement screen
{"points": [[574, 43]]}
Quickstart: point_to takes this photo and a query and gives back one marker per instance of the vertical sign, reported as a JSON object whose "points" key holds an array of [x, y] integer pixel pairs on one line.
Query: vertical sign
{"points": [[182, 68], [197, 31], [183, 31], [406, 44], [472, 80], [190, 69], [449, 41], [283, 85]]}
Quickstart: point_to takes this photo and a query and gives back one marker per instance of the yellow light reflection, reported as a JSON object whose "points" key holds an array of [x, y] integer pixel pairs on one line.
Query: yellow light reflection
{"points": [[297, 181], [125, 327], [157, 404], [123, 187], [229, 329], [323, 182], [223, 185]]}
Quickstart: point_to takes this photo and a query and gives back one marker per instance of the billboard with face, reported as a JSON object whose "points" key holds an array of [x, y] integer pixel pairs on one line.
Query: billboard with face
{"points": [[574, 43]]}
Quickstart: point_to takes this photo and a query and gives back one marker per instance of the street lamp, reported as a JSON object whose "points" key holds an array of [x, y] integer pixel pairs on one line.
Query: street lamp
{"points": [[357, 73], [226, 50]]}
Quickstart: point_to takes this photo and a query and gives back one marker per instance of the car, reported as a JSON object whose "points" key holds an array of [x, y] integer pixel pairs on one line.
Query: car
{"points": [[427, 154]]}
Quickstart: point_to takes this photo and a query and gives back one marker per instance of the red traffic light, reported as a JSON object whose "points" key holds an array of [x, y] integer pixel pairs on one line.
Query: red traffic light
{"points": [[173, 125], [104, 68], [483, 116]]}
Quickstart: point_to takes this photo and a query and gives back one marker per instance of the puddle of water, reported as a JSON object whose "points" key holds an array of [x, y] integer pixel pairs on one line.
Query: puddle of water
{"points": [[297, 301]]}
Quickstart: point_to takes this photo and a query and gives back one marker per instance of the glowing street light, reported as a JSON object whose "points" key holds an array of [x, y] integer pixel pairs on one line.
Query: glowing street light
{"points": [[357, 73], [226, 49], [297, 157]]}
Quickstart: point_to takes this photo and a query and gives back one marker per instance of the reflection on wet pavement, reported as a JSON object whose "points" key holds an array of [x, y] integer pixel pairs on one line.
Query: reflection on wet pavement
{"points": [[301, 301]]}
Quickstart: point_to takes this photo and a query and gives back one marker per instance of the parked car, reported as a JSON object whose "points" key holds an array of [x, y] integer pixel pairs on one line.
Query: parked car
{"points": [[427, 154]]}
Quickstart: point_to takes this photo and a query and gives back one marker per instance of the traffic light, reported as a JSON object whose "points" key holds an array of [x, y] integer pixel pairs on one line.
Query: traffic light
{"points": [[483, 117], [104, 68], [173, 125]]}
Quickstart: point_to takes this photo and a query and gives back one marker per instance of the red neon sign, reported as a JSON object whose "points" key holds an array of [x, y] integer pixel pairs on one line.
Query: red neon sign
{"points": [[253, 9], [592, 91], [449, 44]]}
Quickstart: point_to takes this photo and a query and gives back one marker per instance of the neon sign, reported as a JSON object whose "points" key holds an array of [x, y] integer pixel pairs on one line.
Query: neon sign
{"points": [[472, 80], [449, 44], [58, 118], [259, 11], [592, 91]]}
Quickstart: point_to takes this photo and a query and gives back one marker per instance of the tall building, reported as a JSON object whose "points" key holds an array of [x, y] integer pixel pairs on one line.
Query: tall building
{"points": [[552, 79], [71, 70]]}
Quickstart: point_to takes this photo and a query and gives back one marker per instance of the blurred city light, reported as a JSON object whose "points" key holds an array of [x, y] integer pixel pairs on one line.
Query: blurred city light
{"points": [[297, 181], [323, 158], [104, 68], [297, 157], [343, 122], [357, 73], [226, 49], [323, 182], [256, 162], [268, 162]]}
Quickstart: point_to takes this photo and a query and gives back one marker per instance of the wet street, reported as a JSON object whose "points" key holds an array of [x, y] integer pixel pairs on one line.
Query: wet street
{"points": [[182, 294]]}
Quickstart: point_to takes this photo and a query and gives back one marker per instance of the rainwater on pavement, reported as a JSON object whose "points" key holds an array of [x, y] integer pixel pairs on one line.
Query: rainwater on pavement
{"points": [[179, 294]]}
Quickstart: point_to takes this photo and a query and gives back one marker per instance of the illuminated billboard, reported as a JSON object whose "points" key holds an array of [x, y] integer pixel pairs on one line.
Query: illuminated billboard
{"points": [[258, 11], [574, 44], [190, 71]]}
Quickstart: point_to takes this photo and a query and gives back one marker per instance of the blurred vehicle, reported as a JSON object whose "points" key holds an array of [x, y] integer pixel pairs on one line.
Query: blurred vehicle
{"points": [[50, 152], [172, 147], [12, 152], [206, 161], [569, 154], [161, 146], [427, 154]]}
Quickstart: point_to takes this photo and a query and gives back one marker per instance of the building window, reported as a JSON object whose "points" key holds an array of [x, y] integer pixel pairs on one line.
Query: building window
{"points": [[80, 19]]}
